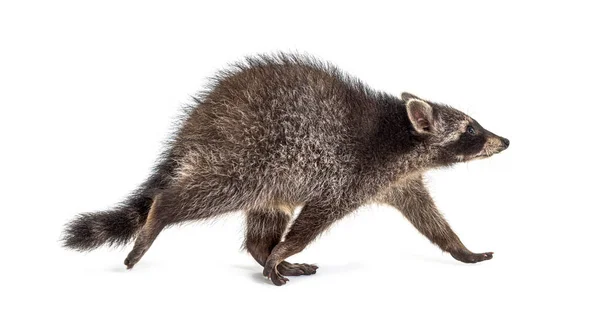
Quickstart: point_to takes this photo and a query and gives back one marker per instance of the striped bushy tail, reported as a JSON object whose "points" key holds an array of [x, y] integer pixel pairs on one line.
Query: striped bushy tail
{"points": [[115, 227]]}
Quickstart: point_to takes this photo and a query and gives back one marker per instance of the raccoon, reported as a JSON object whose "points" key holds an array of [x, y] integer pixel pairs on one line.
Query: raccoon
{"points": [[275, 133]]}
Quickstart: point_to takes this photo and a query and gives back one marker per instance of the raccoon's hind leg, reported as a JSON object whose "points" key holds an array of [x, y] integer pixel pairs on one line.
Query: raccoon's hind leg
{"points": [[193, 196], [264, 230], [153, 226], [311, 222]]}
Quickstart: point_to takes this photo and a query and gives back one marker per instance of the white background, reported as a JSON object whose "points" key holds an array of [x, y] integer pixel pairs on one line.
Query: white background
{"points": [[89, 92]]}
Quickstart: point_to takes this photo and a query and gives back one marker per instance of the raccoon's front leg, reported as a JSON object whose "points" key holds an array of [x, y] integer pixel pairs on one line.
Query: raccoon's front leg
{"points": [[413, 200], [264, 230]]}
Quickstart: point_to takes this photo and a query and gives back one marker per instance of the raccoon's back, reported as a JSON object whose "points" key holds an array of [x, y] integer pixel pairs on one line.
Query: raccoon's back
{"points": [[279, 115]]}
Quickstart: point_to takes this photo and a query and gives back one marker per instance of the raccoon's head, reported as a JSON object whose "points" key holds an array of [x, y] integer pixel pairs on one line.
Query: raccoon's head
{"points": [[449, 134]]}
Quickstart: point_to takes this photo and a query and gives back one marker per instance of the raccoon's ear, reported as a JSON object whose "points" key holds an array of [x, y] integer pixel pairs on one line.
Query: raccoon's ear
{"points": [[407, 97], [420, 114]]}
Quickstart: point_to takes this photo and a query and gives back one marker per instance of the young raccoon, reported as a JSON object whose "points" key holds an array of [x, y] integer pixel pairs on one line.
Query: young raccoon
{"points": [[279, 132]]}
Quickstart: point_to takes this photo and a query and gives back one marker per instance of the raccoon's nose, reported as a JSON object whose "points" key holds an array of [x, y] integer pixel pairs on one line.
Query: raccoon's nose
{"points": [[506, 142]]}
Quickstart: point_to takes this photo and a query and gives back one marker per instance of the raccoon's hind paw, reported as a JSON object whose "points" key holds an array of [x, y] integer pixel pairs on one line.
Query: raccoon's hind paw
{"points": [[271, 271], [129, 262], [133, 258], [471, 258], [289, 269]]}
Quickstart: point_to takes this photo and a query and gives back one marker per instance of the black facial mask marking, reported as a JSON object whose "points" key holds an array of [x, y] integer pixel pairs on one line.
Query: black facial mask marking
{"points": [[467, 144]]}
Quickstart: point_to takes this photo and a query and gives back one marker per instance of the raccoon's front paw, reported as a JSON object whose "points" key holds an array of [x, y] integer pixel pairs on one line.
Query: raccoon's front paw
{"points": [[272, 273], [471, 258]]}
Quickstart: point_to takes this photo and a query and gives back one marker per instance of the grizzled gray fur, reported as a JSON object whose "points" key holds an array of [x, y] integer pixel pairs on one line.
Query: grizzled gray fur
{"points": [[274, 133]]}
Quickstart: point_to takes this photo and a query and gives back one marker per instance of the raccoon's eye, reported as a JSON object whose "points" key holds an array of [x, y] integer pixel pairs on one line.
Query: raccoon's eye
{"points": [[471, 130]]}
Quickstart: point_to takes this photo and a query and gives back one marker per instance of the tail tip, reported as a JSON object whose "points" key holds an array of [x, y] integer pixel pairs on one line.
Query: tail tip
{"points": [[78, 235]]}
